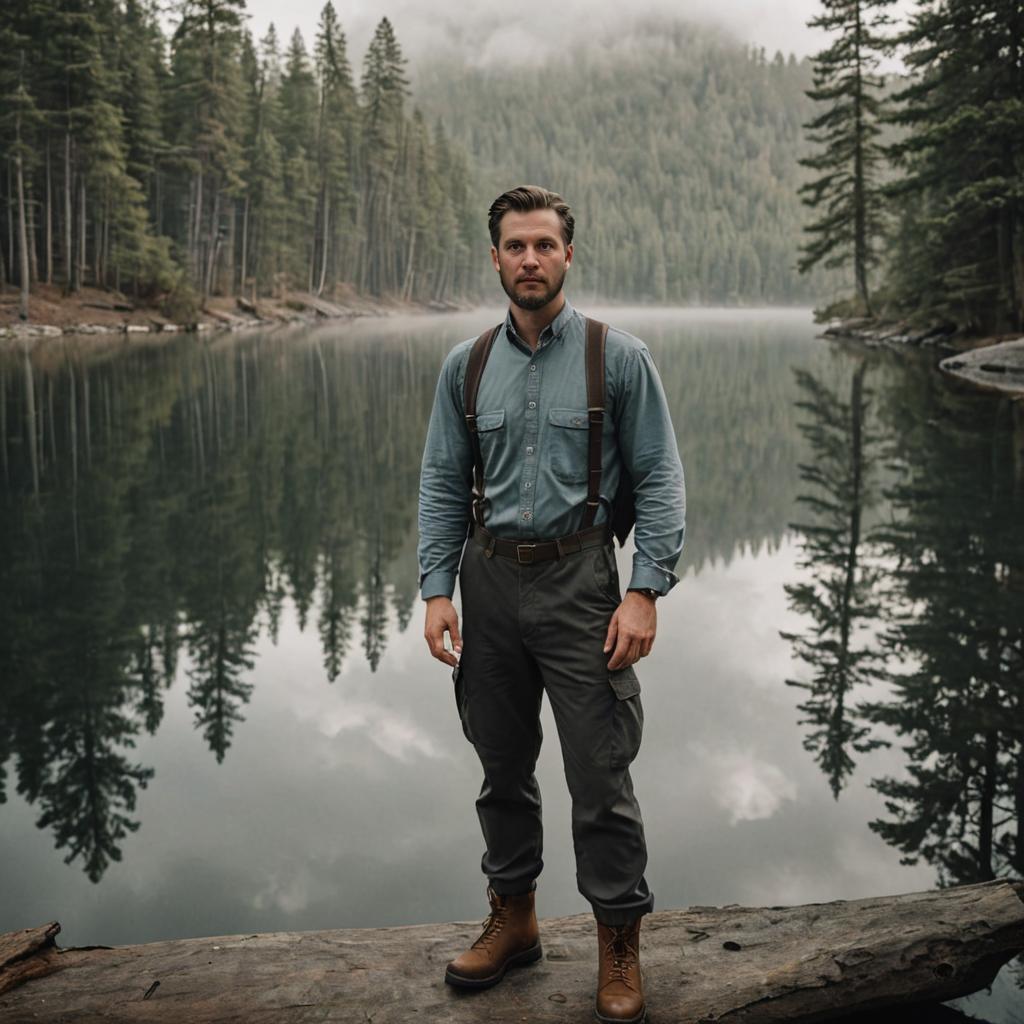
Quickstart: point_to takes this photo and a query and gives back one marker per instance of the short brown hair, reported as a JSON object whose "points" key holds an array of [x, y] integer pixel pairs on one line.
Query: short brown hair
{"points": [[524, 198]]}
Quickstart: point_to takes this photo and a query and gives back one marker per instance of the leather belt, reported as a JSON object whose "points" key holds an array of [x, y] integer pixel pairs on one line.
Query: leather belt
{"points": [[528, 552]]}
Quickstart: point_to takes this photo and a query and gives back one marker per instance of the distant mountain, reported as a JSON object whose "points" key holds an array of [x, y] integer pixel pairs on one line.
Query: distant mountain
{"points": [[676, 147]]}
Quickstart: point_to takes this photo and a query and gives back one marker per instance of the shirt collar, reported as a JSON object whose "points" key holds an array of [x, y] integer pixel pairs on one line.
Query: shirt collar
{"points": [[553, 331]]}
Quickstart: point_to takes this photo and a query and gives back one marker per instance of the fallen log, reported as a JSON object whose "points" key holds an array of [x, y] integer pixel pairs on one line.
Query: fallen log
{"points": [[812, 962]]}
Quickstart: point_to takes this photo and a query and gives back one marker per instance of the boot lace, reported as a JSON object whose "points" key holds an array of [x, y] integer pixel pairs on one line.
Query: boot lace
{"points": [[623, 955], [493, 923]]}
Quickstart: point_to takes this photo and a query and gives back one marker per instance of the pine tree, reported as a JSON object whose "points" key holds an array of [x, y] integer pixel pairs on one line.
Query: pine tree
{"points": [[208, 99], [336, 124], [384, 88], [844, 78], [962, 183]]}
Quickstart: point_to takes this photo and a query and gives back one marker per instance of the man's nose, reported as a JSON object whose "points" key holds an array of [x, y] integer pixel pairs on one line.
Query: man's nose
{"points": [[530, 259]]}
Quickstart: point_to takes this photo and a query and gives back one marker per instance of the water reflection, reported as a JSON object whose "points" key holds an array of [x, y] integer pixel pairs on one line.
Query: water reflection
{"points": [[839, 595], [162, 507], [929, 599]]}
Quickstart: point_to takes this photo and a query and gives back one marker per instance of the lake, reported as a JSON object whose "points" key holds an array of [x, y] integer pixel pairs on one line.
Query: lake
{"points": [[217, 709]]}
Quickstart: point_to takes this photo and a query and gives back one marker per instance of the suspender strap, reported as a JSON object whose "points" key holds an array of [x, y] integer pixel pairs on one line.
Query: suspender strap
{"points": [[596, 334], [474, 371]]}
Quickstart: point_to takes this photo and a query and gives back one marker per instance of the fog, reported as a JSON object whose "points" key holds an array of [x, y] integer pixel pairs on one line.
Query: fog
{"points": [[487, 32]]}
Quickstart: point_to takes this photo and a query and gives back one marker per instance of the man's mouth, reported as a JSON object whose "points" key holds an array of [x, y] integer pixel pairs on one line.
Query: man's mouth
{"points": [[530, 280]]}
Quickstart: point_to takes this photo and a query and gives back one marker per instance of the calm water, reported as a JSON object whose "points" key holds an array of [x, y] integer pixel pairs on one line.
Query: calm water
{"points": [[218, 715]]}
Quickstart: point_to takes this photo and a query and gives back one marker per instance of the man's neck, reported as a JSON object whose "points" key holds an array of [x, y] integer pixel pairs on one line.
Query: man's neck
{"points": [[530, 322]]}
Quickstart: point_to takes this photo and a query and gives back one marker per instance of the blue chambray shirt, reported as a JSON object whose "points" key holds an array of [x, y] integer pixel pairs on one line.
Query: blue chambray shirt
{"points": [[533, 427]]}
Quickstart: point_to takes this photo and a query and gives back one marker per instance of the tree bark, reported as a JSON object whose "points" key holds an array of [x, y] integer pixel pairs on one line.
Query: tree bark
{"points": [[69, 274], [22, 229], [49, 215], [80, 276], [731, 964]]}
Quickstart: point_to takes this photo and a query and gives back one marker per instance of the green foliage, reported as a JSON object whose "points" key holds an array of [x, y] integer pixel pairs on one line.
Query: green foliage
{"points": [[849, 231], [958, 251], [678, 152], [182, 303]]}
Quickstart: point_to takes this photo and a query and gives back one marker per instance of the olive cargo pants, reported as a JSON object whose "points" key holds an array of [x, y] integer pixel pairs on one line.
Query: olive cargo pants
{"points": [[528, 628]]}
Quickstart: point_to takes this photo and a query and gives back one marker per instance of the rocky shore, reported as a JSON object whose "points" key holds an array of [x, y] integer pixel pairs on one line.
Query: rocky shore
{"points": [[95, 311], [994, 363]]}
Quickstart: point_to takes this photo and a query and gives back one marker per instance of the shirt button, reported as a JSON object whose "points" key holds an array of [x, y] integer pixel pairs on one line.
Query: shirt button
{"points": [[533, 366], [527, 514], [531, 405], [527, 484], [576, 420], [529, 449]]}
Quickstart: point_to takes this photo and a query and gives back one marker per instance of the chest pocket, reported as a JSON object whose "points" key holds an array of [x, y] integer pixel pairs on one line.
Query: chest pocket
{"points": [[490, 426], [570, 433]]}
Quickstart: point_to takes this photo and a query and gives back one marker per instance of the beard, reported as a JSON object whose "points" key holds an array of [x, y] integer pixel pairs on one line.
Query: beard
{"points": [[532, 299]]}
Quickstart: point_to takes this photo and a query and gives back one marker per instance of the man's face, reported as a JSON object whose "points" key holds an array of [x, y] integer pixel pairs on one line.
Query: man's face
{"points": [[531, 257]]}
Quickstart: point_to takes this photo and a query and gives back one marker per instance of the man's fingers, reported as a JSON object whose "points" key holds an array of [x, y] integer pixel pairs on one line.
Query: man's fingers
{"points": [[621, 656], [453, 632], [611, 635]]}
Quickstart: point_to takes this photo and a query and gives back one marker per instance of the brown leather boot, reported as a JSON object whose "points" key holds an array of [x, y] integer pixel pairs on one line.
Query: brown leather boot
{"points": [[620, 990], [510, 938]]}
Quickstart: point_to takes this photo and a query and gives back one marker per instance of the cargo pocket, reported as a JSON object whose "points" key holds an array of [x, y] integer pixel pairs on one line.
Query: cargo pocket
{"points": [[570, 431], [460, 700], [627, 717]]}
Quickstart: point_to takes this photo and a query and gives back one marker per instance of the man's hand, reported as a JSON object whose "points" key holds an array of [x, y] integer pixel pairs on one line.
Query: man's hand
{"points": [[442, 616], [631, 630]]}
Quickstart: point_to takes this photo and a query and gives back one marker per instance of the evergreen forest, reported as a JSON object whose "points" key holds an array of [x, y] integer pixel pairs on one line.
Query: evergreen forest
{"points": [[183, 158]]}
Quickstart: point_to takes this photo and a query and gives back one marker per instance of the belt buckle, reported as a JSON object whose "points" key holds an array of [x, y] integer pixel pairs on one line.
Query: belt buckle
{"points": [[519, 553]]}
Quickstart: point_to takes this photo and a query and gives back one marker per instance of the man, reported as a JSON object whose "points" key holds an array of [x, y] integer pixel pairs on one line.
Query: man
{"points": [[549, 617]]}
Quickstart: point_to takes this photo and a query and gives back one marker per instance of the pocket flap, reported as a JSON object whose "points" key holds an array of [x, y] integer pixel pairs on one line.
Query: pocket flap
{"points": [[624, 682], [575, 418], [490, 420]]}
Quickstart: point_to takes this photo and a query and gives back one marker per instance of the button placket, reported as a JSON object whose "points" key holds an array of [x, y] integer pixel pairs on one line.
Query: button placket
{"points": [[529, 472]]}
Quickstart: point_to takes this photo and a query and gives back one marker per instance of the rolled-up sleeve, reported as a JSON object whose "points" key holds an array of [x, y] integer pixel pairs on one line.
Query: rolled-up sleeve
{"points": [[647, 442], [446, 480]]}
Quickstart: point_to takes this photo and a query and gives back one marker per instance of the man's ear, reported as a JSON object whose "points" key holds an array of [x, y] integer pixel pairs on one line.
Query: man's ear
{"points": [[568, 256], [494, 258]]}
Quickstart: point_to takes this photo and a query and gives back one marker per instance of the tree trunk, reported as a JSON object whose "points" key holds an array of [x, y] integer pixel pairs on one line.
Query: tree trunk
{"points": [[323, 245], [49, 216], [22, 230], [80, 276], [69, 273], [213, 245], [732, 964], [245, 247]]}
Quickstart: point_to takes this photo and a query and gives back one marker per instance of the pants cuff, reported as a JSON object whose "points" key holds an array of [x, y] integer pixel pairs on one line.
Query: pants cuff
{"points": [[623, 915], [513, 888]]}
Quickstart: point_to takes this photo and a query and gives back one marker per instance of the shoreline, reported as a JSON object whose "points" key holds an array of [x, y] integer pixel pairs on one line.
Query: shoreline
{"points": [[93, 311], [993, 363]]}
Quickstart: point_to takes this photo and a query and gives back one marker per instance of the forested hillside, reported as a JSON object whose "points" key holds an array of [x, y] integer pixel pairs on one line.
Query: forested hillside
{"points": [[676, 148], [206, 161]]}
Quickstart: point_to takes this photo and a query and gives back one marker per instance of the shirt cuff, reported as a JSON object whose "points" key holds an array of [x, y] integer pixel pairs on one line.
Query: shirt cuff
{"points": [[438, 583], [653, 577]]}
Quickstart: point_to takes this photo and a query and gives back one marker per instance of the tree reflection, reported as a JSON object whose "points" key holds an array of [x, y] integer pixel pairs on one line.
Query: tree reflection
{"points": [[942, 625], [839, 594], [958, 629]]}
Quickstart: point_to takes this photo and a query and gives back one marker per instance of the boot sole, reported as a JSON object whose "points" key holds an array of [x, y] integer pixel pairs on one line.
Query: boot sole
{"points": [[527, 956]]}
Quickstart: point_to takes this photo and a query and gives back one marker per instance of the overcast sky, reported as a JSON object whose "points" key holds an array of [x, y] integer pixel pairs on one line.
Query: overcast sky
{"points": [[487, 25]]}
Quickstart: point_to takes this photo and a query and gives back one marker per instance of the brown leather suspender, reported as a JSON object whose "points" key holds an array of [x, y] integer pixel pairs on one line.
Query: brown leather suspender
{"points": [[474, 371], [596, 333]]}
